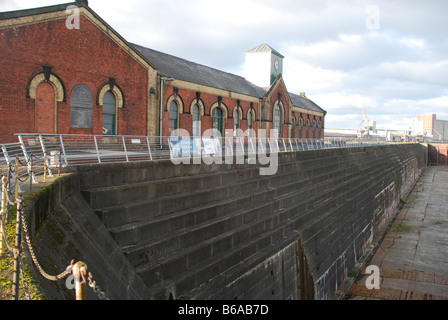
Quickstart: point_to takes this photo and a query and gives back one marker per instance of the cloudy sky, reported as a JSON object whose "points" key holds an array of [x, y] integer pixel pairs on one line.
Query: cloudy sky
{"points": [[388, 57]]}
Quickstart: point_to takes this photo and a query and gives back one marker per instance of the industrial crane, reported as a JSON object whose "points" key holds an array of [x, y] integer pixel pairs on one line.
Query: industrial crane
{"points": [[369, 125]]}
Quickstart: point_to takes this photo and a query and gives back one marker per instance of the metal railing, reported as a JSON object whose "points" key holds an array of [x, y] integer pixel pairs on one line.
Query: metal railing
{"points": [[40, 154]]}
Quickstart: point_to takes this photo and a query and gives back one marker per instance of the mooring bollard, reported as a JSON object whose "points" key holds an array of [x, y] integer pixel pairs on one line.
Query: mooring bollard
{"points": [[80, 272]]}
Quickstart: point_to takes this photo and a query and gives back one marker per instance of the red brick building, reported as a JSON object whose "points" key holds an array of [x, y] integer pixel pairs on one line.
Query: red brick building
{"points": [[66, 71]]}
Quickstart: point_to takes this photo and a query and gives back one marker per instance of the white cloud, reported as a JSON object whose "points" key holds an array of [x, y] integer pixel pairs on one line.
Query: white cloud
{"points": [[395, 72]]}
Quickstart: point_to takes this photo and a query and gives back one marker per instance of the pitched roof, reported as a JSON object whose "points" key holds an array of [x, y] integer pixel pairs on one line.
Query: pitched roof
{"points": [[185, 70], [305, 103], [35, 11], [262, 48]]}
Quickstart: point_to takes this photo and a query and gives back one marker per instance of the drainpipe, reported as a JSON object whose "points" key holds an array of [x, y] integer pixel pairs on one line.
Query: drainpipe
{"points": [[161, 111]]}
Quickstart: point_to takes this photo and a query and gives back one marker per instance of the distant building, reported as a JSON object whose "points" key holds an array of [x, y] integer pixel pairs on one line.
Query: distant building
{"points": [[66, 71], [427, 125]]}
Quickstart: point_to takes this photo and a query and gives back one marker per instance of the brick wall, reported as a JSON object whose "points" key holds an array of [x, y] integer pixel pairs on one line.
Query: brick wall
{"points": [[188, 97], [77, 56]]}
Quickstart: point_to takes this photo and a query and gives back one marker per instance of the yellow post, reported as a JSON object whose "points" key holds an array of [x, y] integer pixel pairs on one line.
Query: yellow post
{"points": [[79, 271], [45, 166], [2, 213], [16, 186]]}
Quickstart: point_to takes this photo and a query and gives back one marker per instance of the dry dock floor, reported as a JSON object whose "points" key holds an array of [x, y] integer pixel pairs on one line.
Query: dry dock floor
{"points": [[413, 257]]}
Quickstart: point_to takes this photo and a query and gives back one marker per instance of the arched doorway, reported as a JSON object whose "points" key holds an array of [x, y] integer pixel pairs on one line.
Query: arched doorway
{"points": [[45, 108]]}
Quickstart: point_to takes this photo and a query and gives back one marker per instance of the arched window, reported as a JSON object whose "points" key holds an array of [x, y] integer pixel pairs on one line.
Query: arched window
{"points": [[320, 129], [196, 121], [307, 128], [250, 123], [314, 129], [217, 120], [293, 124], [109, 113], [300, 127], [174, 116], [81, 106], [277, 121], [236, 122]]}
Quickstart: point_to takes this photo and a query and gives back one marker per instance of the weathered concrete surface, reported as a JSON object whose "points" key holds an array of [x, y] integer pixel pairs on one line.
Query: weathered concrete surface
{"points": [[413, 258], [64, 227], [153, 230]]}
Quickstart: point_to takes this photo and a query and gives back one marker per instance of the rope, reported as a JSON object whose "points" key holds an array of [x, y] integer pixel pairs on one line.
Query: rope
{"points": [[4, 237], [18, 252], [60, 276], [8, 199]]}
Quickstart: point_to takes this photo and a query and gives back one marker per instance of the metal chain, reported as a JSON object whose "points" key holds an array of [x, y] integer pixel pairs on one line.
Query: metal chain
{"points": [[92, 284], [24, 283]]}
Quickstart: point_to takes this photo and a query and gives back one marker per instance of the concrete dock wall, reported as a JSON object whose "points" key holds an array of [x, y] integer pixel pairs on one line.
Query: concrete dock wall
{"points": [[437, 153], [221, 232]]}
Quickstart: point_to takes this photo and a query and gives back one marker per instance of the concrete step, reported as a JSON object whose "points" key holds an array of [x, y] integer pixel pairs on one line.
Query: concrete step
{"points": [[147, 210], [147, 230], [109, 196], [218, 257], [214, 255], [223, 233], [267, 224], [158, 226], [116, 215]]}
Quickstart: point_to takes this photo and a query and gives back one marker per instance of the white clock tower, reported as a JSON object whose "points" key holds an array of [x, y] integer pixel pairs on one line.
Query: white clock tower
{"points": [[263, 65]]}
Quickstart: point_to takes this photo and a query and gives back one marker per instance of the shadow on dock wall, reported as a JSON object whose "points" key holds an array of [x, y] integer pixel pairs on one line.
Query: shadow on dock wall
{"points": [[153, 230]]}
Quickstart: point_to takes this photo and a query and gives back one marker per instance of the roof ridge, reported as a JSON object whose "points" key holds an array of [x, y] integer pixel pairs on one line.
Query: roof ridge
{"points": [[264, 47], [188, 61], [36, 10]]}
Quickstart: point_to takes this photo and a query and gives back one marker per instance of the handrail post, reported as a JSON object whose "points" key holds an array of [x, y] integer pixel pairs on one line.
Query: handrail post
{"points": [[28, 159], [17, 250], [125, 149], [44, 151], [97, 150], [3, 213], [31, 173], [63, 150], [149, 147], [45, 166], [79, 272], [16, 178]]}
